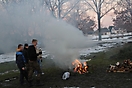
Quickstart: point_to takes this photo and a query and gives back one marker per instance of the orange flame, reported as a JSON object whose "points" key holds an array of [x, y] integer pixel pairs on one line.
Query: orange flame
{"points": [[79, 67]]}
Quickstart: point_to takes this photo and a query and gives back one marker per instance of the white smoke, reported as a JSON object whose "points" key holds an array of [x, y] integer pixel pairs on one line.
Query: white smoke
{"points": [[60, 38]]}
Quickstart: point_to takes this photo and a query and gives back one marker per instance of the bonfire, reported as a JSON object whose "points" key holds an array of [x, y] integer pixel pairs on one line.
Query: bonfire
{"points": [[79, 67]]}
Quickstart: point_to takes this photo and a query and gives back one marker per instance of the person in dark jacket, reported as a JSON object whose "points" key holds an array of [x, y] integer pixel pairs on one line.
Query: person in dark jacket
{"points": [[25, 52], [20, 61], [33, 64]]}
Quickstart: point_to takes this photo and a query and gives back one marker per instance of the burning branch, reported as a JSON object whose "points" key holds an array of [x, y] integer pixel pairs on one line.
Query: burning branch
{"points": [[79, 67]]}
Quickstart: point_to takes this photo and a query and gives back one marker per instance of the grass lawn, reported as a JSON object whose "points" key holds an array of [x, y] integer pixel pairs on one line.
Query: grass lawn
{"points": [[97, 76]]}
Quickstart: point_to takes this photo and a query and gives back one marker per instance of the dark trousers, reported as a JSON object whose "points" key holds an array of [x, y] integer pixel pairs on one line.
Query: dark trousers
{"points": [[23, 74], [34, 66], [27, 67]]}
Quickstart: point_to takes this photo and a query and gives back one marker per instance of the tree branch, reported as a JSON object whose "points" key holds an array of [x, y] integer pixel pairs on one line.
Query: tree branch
{"points": [[83, 12], [95, 3], [50, 6], [106, 12], [91, 6], [71, 9], [101, 2]]}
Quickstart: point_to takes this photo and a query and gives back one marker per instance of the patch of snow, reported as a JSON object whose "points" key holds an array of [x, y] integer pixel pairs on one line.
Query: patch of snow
{"points": [[105, 44], [7, 57], [12, 57], [8, 72], [102, 46]]}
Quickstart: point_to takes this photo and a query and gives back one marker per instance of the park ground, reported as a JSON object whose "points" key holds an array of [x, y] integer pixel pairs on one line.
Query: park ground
{"points": [[97, 76]]}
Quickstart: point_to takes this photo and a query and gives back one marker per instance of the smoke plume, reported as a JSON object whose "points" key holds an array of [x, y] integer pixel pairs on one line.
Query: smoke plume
{"points": [[20, 22]]}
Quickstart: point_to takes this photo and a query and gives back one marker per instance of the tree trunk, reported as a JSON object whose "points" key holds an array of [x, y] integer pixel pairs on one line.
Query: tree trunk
{"points": [[59, 9], [99, 26]]}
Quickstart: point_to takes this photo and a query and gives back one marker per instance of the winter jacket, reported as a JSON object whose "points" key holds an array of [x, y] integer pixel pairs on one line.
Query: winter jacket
{"points": [[25, 53], [20, 60], [32, 53]]}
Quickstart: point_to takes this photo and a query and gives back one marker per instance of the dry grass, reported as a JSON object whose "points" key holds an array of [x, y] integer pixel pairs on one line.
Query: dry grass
{"points": [[97, 77]]}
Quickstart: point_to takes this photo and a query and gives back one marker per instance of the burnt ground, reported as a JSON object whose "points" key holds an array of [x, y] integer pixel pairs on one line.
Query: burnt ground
{"points": [[97, 75]]}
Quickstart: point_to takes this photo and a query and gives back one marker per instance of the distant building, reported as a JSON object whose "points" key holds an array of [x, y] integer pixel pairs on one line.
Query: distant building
{"points": [[110, 30], [105, 31], [113, 30], [91, 32]]}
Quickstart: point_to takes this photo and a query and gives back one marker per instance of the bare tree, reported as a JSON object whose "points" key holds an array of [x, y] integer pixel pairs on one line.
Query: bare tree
{"points": [[101, 8], [60, 8], [123, 13], [125, 5], [80, 19]]}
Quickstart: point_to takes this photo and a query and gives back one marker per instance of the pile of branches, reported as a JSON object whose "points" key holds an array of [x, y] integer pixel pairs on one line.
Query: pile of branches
{"points": [[125, 66]]}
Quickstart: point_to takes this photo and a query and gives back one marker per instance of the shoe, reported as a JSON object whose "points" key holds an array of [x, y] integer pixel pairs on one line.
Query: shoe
{"points": [[22, 84], [30, 84], [39, 84]]}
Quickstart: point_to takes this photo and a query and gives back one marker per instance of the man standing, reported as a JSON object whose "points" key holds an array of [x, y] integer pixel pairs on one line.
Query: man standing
{"points": [[33, 64], [20, 61], [39, 59], [25, 52]]}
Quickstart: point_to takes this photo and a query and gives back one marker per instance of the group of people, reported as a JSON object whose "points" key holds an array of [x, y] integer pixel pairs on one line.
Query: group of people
{"points": [[27, 58]]}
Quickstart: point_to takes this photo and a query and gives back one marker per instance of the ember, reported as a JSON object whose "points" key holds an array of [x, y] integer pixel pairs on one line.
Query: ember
{"points": [[79, 67], [126, 66]]}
